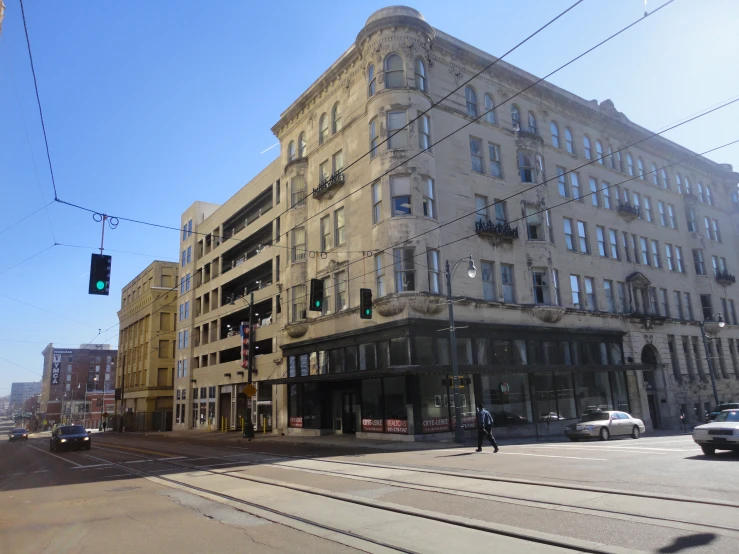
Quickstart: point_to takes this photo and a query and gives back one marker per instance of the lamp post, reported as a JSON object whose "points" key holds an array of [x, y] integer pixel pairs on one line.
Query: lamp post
{"points": [[471, 271], [713, 329]]}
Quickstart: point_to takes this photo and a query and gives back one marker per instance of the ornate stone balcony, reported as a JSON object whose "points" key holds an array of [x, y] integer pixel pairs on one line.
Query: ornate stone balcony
{"points": [[329, 184], [499, 231], [627, 211], [724, 278]]}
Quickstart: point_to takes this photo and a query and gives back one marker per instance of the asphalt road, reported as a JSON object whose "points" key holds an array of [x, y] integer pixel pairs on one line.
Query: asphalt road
{"points": [[170, 493]]}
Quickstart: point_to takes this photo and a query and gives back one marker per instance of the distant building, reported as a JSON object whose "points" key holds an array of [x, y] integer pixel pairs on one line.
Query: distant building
{"points": [[20, 392], [70, 374], [148, 316]]}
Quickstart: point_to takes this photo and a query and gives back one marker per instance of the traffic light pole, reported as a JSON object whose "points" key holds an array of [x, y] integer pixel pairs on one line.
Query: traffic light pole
{"points": [[248, 431]]}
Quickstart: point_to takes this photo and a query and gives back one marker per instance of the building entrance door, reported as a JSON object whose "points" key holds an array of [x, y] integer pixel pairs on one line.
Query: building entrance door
{"points": [[348, 413], [652, 401]]}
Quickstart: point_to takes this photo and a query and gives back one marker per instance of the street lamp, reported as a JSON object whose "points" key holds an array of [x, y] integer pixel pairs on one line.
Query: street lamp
{"points": [[712, 327], [471, 272]]}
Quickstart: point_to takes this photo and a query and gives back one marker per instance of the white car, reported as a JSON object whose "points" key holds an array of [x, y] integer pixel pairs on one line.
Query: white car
{"points": [[721, 434]]}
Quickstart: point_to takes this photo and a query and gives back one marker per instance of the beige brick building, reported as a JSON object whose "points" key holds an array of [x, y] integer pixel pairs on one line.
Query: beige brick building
{"points": [[146, 348], [581, 301]]}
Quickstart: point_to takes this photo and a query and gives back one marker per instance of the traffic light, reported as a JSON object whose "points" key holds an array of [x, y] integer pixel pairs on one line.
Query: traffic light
{"points": [[100, 274], [365, 303], [316, 295]]}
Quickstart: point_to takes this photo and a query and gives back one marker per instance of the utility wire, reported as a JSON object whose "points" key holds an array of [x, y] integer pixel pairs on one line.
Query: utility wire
{"points": [[9, 227], [45, 310], [38, 101]]}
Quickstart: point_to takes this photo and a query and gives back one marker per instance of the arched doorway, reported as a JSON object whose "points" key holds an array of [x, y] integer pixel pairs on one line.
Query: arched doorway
{"points": [[650, 357]]}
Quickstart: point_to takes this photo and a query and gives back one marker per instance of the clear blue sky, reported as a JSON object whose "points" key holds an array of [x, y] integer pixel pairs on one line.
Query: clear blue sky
{"points": [[150, 106]]}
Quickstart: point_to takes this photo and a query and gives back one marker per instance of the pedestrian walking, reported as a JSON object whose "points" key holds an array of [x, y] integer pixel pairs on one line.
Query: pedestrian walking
{"points": [[105, 424], [484, 427]]}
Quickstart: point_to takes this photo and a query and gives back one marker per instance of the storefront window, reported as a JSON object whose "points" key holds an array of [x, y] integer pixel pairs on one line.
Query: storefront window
{"points": [[501, 352], [383, 354], [304, 368], [575, 349], [542, 386], [395, 398], [565, 395], [311, 406], [350, 359], [423, 351], [314, 363], [372, 420], [564, 353], [366, 356], [322, 362], [590, 353], [434, 412], [507, 398], [519, 352], [399, 351], [593, 391], [464, 351], [467, 402], [536, 354], [551, 353], [620, 392], [603, 353], [295, 406], [616, 357], [483, 348], [444, 352], [336, 360], [291, 365]]}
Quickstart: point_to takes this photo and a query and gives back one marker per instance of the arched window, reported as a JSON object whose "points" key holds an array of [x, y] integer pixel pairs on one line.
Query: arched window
{"points": [[555, 134], [372, 80], [394, 72], [586, 146], [421, 75], [568, 140], [336, 119], [641, 168], [515, 118], [291, 151], [532, 124], [322, 128], [471, 97], [687, 186], [301, 145], [599, 152], [655, 175], [665, 182], [630, 164], [701, 193], [679, 182], [489, 109], [619, 162]]}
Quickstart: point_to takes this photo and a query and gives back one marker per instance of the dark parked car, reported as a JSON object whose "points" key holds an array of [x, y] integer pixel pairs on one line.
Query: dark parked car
{"points": [[19, 434], [507, 418], [69, 437], [720, 408]]}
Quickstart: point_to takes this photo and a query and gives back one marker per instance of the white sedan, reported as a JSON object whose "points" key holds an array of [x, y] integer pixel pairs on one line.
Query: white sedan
{"points": [[721, 434]]}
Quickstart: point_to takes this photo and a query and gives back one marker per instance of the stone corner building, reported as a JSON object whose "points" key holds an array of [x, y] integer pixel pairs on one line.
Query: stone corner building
{"points": [[589, 286]]}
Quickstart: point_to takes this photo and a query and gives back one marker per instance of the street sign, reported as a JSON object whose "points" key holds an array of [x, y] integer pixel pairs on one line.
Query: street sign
{"points": [[250, 390], [105, 415]]}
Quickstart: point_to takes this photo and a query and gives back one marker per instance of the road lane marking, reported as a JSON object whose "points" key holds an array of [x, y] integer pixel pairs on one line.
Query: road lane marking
{"points": [[548, 456], [132, 449], [50, 454], [92, 466]]}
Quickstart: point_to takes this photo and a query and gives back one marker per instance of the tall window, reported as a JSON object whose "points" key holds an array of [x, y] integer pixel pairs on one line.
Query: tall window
{"points": [[405, 273], [671, 216], [687, 186], [541, 286], [376, 202], [421, 75], [662, 215], [397, 135], [527, 167], [569, 237], [677, 295], [688, 306], [709, 195], [432, 259], [471, 97], [291, 151], [506, 280], [488, 283], [302, 148], [716, 230], [481, 208], [429, 199], [590, 294], [298, 301], [336, 118], [298, 244], [575, 186], [379, 275], [644, 251], [400, 190], [613, 237], [630, 164], [496, 170], [489, 109], [706, 306], [568, 141], [641, 168], [555, 134], [575, 286], [599, 151], [424, 133], [373, 137], [610, 300], [594, 198], [625, 245], [341, 296], [701, 193], [691, 219], [564, 189], [582, 234], [586, 146], [339, 227], [325, 233], [615, 159], [298, 190], [323, 172], [698, 261], [600, 233], [394, 72], [328, 288], [668, 253], [648, 209], [532, 124], [555, 284], [665, 181], [515, 118], [323, 129], [679, 183], [476, 155], [534, 223], [371, 88], [656, 261], [623, 300], [606, 189]]}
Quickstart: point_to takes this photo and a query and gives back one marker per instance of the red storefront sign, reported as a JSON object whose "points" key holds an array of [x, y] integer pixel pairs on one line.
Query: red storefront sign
{"points": [[468, 422], [399, 426], [296, 422], [436, 425], [372, 425]]}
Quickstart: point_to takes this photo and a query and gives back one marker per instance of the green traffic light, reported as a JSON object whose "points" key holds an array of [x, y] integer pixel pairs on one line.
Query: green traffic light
{"points": [[100, 285], [367, 311], [318, 303]]}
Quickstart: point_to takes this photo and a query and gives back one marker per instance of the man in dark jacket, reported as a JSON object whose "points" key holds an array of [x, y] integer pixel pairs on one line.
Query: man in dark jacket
{"points": [[484, 427]]}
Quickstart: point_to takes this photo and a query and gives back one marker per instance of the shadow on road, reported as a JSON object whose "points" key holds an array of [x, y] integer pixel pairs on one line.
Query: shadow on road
{"points": [[689, 541]]}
